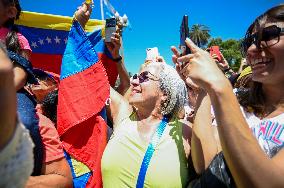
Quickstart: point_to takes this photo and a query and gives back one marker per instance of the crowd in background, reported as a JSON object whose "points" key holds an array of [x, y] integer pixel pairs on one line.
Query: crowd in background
{"points": [[197, 124]]}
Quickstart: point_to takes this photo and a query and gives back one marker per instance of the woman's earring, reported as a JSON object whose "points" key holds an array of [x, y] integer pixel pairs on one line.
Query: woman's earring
{"points": [[163, 108]]}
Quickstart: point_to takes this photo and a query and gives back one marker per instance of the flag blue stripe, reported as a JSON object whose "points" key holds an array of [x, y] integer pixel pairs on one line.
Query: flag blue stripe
{"points": [[79, 54], [98, 42], [47, 41]]}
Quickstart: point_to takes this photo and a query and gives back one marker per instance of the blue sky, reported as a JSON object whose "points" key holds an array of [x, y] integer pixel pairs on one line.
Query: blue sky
{"points": [[155, 23]]}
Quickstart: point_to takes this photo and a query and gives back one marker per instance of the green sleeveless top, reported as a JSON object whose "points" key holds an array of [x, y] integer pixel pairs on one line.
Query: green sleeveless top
{"points": [[124, 154]]}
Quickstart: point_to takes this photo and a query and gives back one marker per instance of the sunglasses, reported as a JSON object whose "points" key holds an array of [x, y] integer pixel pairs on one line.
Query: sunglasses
{"points": [[270, 36], [143, 77]]}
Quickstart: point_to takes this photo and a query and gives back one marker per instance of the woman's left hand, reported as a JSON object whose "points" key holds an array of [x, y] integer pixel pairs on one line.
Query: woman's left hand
{"points": [[114, 45]]}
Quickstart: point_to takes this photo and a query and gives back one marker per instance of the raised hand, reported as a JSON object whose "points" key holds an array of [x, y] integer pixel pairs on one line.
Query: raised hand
{"points": [[179, 66], [223, 63], [200, 67], [114, 45], [83, 13], [160, 59]]}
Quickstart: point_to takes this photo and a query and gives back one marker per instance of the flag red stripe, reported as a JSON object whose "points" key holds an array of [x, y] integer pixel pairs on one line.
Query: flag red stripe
{"points": [[81, 96], [52, 63], [86, 142]]}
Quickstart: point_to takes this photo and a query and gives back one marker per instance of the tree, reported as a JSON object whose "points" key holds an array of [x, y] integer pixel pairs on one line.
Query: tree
{"points": [[199, 34], [231, 49], [215, 42]]}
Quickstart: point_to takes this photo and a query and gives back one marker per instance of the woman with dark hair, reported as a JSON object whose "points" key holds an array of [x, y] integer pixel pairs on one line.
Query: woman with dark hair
{"points": [[15, 41], [49, 106], [252, 143]]}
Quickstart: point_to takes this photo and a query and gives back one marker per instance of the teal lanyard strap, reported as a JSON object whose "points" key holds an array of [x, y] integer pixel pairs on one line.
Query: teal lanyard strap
{"points": [[149, 152]]}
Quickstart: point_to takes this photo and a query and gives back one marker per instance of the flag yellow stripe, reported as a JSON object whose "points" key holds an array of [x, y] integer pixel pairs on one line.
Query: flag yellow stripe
{"points": [[79, 168], [49, 21]]}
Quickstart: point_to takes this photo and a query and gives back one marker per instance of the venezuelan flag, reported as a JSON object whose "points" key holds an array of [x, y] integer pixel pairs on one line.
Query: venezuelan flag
{"points": [[83, 91], [47, 35]]}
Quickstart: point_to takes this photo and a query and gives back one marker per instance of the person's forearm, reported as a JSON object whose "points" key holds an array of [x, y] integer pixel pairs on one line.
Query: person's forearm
{"points": [[124, 78], [246, 160], [203, 144], [47, 181]]}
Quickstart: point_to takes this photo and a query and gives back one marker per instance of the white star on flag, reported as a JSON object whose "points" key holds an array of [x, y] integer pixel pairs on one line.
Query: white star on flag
{"points": [[48, 40], [57, 40], [65, 40], [41, 42], [34, 45]]}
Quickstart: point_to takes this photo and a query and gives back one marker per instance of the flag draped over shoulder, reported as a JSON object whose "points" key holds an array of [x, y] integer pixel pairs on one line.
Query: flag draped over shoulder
{"points": [[47, 35], [83, 91]]}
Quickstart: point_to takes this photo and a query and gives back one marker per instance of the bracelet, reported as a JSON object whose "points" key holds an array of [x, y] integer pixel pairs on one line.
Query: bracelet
{"points": [[226, 70], [228, 74], [117, 59]]}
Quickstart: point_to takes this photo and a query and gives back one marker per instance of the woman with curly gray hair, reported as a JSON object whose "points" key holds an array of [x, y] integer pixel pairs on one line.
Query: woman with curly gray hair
{"points": [[149, 146]]}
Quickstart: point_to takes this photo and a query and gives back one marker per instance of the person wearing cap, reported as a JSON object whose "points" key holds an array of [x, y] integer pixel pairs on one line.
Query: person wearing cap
{"points": [[55, 168]]}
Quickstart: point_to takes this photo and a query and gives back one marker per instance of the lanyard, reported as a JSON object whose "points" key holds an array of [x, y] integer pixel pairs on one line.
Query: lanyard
{"points": [[149, 152]]}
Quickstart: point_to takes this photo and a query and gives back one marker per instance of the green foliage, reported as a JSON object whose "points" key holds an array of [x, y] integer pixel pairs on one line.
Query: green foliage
{"points": [[215, 42], [231, 49], [199, 34]]}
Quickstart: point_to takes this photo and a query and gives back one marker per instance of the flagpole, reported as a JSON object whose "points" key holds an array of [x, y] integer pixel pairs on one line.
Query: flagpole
{"points": [[102, 9]]}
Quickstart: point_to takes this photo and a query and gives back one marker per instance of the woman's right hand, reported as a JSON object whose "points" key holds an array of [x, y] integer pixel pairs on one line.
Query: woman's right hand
{"points": [[201, 68]]}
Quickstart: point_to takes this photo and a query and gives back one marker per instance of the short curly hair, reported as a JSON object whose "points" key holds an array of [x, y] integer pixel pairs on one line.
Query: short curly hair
{"points": [[173, 86]]}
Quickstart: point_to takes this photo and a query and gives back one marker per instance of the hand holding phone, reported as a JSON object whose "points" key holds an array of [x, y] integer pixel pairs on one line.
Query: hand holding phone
{"points": [[215, 51], [110, 28]]}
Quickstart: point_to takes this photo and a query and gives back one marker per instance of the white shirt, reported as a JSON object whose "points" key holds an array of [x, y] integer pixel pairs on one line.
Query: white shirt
{"points": [[16, 159]]}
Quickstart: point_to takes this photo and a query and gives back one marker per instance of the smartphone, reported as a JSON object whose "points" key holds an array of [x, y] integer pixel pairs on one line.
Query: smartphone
{"points": [[184, 33], [215, 50], [110, 28], [152, 54]]}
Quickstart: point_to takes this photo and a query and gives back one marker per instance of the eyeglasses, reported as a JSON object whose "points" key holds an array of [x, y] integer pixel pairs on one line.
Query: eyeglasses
{"points": [[268, 37], [143, 77]]}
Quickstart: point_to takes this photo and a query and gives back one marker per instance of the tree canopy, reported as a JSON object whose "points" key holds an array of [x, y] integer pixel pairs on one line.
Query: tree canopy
{"points": [[199, 34], [231, 49]]}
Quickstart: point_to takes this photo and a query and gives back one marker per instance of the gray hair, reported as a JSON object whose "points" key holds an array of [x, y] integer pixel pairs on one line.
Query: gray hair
{"points": [[174, 87]]}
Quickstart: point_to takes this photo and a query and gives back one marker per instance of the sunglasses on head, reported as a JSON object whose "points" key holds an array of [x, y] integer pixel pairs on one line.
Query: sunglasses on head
{"points": [[270, 36], [143, 77]]}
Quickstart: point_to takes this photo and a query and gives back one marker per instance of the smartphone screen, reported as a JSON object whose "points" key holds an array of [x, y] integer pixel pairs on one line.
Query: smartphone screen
{"points": [[110, 28], [152, 54]]}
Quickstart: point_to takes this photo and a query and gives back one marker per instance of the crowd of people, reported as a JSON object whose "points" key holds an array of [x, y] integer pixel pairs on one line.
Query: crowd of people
{"points": [[198, 124]]}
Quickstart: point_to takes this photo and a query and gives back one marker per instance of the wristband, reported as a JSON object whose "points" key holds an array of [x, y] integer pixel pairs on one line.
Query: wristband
{"points": [[117, 59], [226, 70]]}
